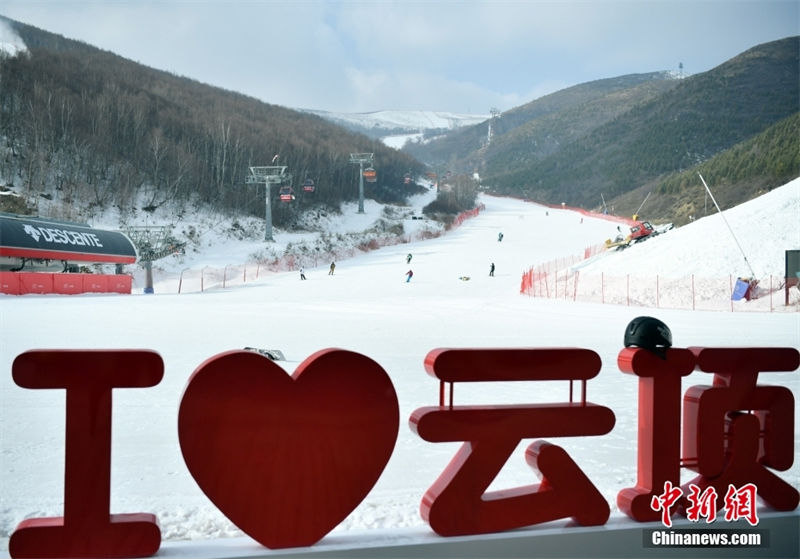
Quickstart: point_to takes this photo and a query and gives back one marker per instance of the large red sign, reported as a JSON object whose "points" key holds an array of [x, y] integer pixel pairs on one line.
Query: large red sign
{"points": [[734, 431], [87, 529], [286, 458], [458, 503]]}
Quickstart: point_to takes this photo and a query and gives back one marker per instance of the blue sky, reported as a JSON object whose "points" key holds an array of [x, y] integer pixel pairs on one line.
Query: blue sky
{"points": [[462, 56]]}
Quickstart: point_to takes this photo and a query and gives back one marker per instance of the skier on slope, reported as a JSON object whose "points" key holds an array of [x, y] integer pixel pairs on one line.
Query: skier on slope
{"points": [[409, 275], [491, 270]]}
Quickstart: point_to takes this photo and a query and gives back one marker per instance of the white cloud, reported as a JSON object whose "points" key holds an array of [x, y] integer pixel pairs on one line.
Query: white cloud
{"points": [[366, 56]]}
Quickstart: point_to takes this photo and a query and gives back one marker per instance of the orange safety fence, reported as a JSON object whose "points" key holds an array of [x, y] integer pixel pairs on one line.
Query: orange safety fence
{"points": [[22, 283], [463, 216], [557, 281]]}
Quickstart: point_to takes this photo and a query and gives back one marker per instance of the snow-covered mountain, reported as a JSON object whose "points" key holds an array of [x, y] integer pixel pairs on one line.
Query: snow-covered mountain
{"points": [[10, 43], [405, 120], [394, 128]]}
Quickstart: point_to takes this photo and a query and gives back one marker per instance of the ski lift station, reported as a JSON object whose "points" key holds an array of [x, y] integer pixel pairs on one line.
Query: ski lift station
{"points": [[46, 256]]}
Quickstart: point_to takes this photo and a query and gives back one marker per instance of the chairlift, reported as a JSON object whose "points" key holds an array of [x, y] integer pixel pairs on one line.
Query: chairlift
{"points": [[308, 185], [286, 194], [370, 174]]}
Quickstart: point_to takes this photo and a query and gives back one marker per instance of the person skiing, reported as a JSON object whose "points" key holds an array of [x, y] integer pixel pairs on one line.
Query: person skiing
{"points": [[333, 267], [499, 236], [408, 258], [491, 270], [409, 275], [302, 273]]}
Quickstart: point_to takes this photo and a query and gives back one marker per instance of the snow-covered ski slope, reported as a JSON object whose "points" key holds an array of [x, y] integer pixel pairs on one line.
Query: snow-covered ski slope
{"points": [[760, 232], [368, 307]]}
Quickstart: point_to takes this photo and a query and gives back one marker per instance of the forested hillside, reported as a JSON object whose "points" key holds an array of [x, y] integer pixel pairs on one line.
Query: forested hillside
{"points": [[90, 128], [615, 138], [746, 170], [537, 129]]}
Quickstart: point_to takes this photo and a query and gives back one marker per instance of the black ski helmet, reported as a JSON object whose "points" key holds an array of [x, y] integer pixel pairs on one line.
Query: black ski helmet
{"points": [[649, 333]]}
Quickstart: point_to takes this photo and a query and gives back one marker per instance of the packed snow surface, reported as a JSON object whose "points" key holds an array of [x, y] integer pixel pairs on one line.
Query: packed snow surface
{"points": [[368, 307], [747, 240]]}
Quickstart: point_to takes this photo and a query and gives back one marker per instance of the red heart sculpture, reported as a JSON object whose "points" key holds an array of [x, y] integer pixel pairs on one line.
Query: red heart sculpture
{"points": [[287, 458]]}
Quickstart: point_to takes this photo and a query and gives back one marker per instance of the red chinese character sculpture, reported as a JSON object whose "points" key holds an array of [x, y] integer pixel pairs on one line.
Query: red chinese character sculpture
{"points": [[735, 430], [659, 439], [87, 529], [458, 503], [287, 458]]}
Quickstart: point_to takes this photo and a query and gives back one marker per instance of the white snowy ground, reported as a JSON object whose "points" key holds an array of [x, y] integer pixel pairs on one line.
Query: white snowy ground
{"points": [[368, 307], [760, 231]]}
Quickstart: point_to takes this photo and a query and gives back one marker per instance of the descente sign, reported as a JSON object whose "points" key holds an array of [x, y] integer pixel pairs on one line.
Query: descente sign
{"points": [[287, 458], [28, 237]]}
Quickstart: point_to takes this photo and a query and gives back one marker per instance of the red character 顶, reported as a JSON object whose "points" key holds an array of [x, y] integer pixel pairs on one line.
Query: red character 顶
{"points": [[733, 431], [736, 431]]}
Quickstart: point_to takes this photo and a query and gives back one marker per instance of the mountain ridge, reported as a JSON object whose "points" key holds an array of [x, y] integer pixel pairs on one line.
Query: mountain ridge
{"points": [[89, 128], [654, 128]]}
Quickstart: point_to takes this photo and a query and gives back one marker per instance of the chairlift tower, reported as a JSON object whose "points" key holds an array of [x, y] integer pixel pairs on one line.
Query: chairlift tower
{"points": [[152, 242], [267, 175], [495, 115], [361, 158]]}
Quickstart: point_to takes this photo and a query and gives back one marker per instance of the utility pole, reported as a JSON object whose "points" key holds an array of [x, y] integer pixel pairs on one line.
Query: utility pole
{"points": [[268, 175], [361, 158]]}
